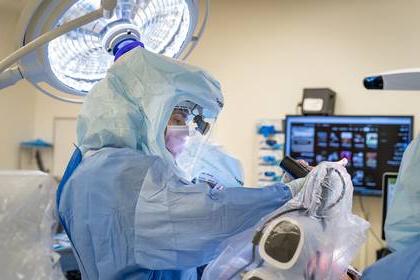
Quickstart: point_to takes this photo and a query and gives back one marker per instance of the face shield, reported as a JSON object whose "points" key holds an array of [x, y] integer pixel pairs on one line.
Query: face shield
{"points": [[188, 128]]}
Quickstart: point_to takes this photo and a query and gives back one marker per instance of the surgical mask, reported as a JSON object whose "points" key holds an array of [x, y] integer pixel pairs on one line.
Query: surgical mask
{"points": [[176, 137]]}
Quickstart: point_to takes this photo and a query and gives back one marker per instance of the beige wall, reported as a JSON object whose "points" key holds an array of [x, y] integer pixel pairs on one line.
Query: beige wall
{"points": [[264, 53], [16, 102], [46, 109]]}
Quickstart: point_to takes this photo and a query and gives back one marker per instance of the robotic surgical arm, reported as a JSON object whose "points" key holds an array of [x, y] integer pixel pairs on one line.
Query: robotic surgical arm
{"points": [[313, 236], [407, 79]]}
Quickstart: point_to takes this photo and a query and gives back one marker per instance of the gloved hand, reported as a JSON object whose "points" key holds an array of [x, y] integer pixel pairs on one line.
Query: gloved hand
{"points": [[207, 178], [296, 186], [287, 178]]}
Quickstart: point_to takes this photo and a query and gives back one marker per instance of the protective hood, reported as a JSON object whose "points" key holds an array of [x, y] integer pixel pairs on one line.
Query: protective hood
{"points": [[131, 106], [402, 225]]}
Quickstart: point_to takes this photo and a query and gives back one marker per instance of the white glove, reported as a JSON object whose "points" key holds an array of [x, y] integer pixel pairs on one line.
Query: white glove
{"points": [[296, 186]]}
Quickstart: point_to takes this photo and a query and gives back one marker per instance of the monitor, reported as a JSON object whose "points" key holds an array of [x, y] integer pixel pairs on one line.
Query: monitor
{"points": [[389, 185], [373, 145]]}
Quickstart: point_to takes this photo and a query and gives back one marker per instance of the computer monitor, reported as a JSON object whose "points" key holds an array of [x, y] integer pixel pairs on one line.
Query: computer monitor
{"points": [[373, 145], [389, 186]]}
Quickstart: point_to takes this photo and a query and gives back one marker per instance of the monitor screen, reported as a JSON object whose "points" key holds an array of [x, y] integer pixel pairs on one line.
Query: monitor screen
{"points": [[373, 145]]}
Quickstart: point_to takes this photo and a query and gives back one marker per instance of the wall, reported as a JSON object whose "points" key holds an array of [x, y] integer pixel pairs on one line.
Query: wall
{"points": [[16, 102], [46, 110], [266, 52]]}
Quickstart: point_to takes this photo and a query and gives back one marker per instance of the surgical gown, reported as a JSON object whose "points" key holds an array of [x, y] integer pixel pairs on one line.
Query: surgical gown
{"points": [[404, 265], [180, 226], [402, 225]]}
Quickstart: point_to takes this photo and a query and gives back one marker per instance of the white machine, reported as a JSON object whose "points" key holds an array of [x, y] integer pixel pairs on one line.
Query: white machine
{"points": [[313, 236], [26, 226], [406, 79], [65, 47]]}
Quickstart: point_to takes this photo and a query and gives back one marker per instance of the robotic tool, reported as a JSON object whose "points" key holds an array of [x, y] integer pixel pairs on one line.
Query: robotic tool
{"points": [[314, 236]]}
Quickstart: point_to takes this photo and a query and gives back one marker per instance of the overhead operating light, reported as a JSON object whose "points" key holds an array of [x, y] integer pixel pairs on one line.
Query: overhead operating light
{"points": [[407, 79], [67, 46]]}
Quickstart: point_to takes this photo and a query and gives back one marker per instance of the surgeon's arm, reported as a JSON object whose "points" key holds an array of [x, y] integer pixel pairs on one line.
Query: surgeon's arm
{"points": [[181, 226]]}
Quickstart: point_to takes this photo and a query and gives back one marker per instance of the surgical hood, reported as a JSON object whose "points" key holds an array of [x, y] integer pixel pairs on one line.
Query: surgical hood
{"points": [[131, 106]]}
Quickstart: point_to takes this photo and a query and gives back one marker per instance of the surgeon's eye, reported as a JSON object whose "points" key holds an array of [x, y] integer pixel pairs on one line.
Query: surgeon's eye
{"points": [[179, 122], [177, 119]]}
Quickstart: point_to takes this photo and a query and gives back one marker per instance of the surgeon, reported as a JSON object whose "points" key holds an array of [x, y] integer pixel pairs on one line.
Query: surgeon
{"points": [[402, 224], [127, 200]]}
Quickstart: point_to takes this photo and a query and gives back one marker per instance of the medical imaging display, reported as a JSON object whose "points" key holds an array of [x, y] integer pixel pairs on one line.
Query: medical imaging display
{"points": [[373, 145]]}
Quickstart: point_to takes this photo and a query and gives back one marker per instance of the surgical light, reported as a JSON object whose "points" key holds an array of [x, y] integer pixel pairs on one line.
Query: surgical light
{"points": [[67, 46]]}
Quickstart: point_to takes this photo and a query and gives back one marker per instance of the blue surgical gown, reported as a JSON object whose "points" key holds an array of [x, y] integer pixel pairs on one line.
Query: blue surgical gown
{"points": [[130, 217], [403, 264]]}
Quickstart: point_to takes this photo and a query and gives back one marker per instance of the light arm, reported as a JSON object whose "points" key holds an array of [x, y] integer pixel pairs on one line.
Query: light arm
{"points": [[105, 10], [10, 77]]}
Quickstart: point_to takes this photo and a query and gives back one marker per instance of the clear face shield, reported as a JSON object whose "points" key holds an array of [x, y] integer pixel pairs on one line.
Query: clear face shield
{"points": [[189, 127]]}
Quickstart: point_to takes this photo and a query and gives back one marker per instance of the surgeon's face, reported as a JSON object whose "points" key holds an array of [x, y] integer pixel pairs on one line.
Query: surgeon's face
{"points": [[178, 118], [176, 133]]}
